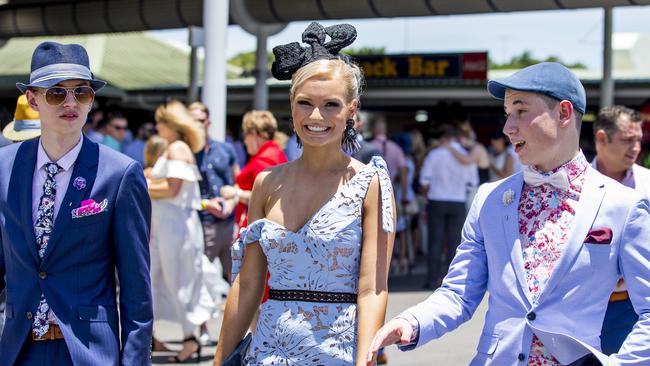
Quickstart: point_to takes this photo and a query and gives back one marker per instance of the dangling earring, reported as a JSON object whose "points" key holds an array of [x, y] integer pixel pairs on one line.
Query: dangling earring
{"points": [[298, 142], [349, 141]]}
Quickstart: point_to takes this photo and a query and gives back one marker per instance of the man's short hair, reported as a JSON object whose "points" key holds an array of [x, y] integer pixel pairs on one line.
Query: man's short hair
{"points": [[552, 103], [608, 119], [109, 117], [200, 106], [449, 131]]}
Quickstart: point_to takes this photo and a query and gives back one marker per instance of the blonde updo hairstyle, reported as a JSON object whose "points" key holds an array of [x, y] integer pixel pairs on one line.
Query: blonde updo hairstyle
{"points": [[349, 73], [262, 123], [175, 115]]}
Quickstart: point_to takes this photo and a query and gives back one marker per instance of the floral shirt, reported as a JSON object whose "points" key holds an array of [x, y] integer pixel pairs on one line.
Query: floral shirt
{"points": [[545, 217]]}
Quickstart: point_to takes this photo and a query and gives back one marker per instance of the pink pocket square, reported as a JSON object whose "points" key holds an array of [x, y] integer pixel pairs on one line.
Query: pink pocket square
{"points": [[89, 207], [599, 236]]}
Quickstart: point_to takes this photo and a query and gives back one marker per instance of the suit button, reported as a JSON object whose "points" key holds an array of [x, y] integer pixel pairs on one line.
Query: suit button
{"points": [[29, 315], [521, 357], [42, 275], [531, 316]]}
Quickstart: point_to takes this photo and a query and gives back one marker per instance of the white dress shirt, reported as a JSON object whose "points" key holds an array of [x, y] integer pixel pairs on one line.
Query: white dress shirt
{"points": [[445, 176], [66, 162]]}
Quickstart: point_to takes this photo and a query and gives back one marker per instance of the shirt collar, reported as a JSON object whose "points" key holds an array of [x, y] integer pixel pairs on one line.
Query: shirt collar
{"points": [[574, 169], [65, 162], [628, 179]]}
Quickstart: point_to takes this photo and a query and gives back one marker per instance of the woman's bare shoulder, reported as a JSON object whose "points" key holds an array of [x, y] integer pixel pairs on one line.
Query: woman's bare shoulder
{"points": [[356, 165], [271, 176], [178, 150]]}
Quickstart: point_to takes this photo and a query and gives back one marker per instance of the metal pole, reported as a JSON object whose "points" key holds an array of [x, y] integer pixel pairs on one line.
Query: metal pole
{"points": [[261, 96], [607, 83], [215, 25], [193, 89]]}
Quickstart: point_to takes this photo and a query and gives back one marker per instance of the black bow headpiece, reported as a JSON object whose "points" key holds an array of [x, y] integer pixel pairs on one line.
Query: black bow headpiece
{"points": [[290, 57]]}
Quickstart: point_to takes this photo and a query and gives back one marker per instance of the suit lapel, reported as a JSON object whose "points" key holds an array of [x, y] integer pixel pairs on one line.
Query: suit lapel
{"points": [[588, 207], [85, 167], [23, 205], [510, 220]]}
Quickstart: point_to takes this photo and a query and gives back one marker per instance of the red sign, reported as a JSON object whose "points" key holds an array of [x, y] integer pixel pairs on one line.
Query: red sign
{"points": [[475, 66]]}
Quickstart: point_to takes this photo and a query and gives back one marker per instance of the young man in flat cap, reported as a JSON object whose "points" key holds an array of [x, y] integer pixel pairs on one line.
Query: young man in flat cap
{"points": [[618, 134], [549, 244], [72, 215]]}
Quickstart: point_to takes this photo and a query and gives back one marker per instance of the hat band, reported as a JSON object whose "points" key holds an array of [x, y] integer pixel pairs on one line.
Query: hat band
{"points": [[60, 71], [23, 125]]}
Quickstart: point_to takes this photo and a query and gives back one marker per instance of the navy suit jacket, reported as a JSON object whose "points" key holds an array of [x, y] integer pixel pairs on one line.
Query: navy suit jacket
{"points": [[78, 271]]}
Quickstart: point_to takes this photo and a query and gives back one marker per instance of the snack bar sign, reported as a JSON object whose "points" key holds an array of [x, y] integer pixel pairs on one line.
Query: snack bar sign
{"points": [[448, 66]]}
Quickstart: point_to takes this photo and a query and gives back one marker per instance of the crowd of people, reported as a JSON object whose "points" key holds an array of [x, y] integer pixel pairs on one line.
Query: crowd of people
{"points": [[295, 242]]}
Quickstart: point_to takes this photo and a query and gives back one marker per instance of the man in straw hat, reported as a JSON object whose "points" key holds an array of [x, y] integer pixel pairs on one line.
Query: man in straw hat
{"points": [[72, 214], [26, 124], [548, 243]]}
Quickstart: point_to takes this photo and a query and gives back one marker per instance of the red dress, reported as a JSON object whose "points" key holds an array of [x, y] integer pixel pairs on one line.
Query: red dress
{"points": [[268, 155]]}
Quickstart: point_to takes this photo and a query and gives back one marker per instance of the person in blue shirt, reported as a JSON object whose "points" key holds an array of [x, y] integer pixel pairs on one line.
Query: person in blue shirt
{"points": [[135, 149], [218, 165]]}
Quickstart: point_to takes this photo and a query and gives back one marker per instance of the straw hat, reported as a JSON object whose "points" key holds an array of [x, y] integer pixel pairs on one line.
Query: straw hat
{"points": [[26, 123]]}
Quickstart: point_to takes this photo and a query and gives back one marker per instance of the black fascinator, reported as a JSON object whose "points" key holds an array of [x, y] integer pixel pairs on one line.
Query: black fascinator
{"points": [[290, 57]]}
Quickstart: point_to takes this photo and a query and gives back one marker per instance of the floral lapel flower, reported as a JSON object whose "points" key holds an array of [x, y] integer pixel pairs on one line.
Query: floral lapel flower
{"points": [[79, 183], [508, 197]]}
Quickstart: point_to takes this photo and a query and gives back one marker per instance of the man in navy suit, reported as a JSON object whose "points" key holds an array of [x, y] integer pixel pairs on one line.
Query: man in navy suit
{"points": [[72, 215]]}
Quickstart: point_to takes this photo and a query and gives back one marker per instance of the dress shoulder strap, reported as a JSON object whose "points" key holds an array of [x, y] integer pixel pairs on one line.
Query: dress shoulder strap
{"points": [[377, 165]]}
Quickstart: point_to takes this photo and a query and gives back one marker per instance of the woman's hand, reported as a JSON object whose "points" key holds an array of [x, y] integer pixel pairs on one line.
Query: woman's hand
{"points": [[228, 192], [220, 207]]}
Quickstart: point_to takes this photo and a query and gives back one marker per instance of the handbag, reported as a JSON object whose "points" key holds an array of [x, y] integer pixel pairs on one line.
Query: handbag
{"points": [[236, 358]]}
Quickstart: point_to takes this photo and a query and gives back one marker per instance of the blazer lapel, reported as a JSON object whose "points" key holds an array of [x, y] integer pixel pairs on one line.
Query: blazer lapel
{"points": [[23, 205], [86, 167], [510, 220], [586, 211]]}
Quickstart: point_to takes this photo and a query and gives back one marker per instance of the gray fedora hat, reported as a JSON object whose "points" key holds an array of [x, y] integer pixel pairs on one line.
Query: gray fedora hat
{"points": [[53, 63]]}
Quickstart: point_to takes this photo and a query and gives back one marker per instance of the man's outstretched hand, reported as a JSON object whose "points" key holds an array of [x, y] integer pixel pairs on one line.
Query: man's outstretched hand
{"points": [[397, 330]]}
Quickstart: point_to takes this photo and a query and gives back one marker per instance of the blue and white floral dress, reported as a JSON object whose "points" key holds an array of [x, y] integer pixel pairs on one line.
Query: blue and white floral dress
{"points": [[323, 255]]}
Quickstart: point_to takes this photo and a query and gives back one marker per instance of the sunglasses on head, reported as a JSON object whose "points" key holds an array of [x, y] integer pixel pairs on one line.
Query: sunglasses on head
{"points": [[56, 95]]}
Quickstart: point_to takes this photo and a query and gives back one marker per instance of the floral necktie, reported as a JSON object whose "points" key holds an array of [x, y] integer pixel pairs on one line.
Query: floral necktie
{"points": [[43, 229]]}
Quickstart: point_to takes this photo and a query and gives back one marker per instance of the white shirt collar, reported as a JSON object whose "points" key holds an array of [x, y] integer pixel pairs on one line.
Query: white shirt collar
{"points": [[65, 162]]}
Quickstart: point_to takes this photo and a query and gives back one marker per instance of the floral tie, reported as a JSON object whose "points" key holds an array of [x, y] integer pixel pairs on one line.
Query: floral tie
{"points": [[43, 229]]}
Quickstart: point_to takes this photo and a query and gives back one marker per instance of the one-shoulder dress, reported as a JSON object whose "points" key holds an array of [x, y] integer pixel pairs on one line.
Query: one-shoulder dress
{"points": [[324, 256]]}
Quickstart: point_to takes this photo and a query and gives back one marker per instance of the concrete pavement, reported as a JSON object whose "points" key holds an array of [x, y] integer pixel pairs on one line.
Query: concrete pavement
{"points": [[454, 349]]}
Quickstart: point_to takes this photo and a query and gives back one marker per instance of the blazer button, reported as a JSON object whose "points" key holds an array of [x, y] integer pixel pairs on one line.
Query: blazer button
{"points": [[531, 316], [521, 357], [29, 315], [42, 275]]}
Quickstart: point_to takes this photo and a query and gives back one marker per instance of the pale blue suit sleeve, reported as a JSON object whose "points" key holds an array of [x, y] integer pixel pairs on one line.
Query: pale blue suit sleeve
{"points": [[130, 229], [464, 286], [634, 263]]}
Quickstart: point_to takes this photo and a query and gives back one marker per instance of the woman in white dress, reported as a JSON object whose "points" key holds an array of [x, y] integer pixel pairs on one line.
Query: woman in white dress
{"points": [[179, 291]]}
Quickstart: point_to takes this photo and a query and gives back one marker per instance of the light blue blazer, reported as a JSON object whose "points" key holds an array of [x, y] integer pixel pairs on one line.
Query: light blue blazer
{"points": [[570, 310]]}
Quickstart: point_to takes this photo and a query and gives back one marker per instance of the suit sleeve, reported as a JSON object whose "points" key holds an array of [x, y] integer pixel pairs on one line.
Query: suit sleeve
{"points": [[634, 263], [2, 264], [462, 289], [131, 225]]}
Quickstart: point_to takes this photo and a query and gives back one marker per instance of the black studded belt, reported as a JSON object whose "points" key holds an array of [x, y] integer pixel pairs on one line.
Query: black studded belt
{"points": [[313, 296]]}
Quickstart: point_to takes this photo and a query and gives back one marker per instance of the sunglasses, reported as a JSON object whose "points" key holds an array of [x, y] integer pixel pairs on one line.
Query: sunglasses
{"points": [[56, 95], [120, 128]]}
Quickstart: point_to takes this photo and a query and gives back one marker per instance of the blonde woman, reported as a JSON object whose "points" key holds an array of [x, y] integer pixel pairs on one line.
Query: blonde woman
{"points": [[179, 291], [321, 225]]}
